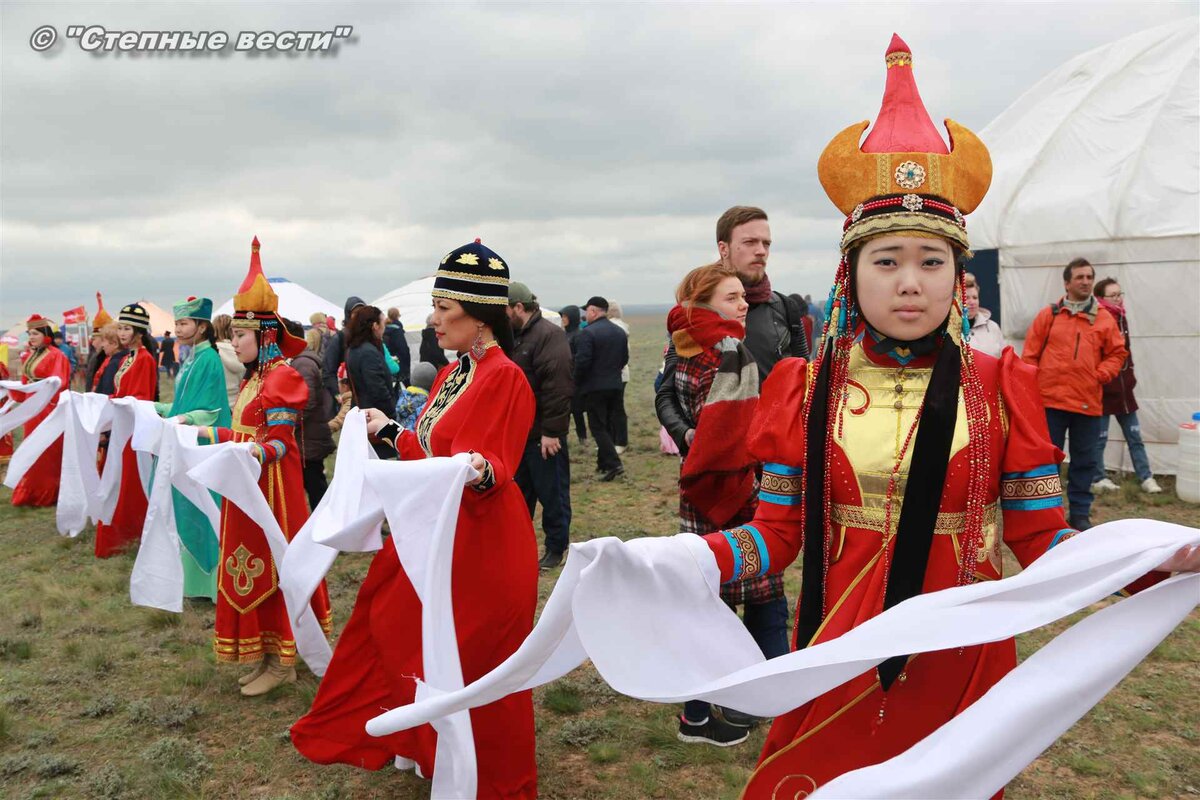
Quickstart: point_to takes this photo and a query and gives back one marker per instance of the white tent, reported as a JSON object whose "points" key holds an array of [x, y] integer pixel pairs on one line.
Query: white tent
{"points": [[415, 301], [1101, 159], [295, 303]]}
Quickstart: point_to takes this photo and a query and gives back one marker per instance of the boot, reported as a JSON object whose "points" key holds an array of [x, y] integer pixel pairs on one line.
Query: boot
{"points": [[276, 674], [259, 669]]}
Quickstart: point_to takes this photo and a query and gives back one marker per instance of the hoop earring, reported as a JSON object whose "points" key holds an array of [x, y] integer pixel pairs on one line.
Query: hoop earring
{"points": [[479, 346]]}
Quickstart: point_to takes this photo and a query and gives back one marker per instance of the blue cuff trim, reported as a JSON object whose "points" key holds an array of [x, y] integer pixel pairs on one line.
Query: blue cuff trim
{"points": [[1063, 533], [291, 422], [763, 555], [782, 469], [737, 553], [1034, 504], [1036, 472], [779, 499]]}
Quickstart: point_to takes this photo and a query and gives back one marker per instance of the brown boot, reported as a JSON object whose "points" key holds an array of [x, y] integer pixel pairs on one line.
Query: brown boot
{"points": [[275, 674], [249, 677]]}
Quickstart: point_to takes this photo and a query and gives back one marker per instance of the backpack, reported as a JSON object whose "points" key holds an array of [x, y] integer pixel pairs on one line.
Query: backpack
{"points": [[785, 308]]}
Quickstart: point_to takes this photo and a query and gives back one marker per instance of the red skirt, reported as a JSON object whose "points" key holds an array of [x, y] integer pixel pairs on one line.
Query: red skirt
{"points": [[130, 514]]}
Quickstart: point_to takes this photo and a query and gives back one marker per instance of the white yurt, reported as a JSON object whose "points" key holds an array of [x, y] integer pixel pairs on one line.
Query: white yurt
{"points": [[1101, 160], [295, 303], [415, 301]]}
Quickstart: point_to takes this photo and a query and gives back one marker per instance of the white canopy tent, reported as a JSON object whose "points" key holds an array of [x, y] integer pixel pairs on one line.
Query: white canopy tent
{"points": [[295, 303], [415, 301], [1101, 159]]}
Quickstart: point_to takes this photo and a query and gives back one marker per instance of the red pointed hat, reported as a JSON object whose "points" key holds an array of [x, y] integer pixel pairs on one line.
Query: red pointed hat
{"points": [[102, 317], [256, 306], [903, 177]]}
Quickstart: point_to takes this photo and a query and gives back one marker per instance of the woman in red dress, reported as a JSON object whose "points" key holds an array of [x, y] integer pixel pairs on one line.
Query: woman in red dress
{"points": [[252, 625], [133, 373], [480, 404], [39, 486], [6, 441]]}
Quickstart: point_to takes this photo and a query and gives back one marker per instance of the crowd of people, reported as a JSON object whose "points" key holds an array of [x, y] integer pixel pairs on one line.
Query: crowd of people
{"points": [[889, 435]]}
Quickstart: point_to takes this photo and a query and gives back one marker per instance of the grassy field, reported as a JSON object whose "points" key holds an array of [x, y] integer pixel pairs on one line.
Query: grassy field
{"points": [[99, 699]]}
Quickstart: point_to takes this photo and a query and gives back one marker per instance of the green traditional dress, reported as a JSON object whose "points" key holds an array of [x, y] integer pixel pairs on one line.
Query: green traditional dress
{"points": [[200, 397]]}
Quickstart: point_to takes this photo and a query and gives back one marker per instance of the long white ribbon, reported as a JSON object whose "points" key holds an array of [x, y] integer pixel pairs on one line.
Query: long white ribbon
{"points": [[607, 583], [33, 446], [38, 395], [88, 416]]}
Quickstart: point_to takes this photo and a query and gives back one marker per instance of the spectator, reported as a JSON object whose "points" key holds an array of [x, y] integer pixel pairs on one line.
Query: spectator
{"points": [[620, 431], [413, 397], [334, 353], [345, 400], [315, 439], [818, 322], [1118, 400], [317, 321], [431, 352], [370, 381], [717, 480], [986, 336], [541, 351], [570, 316], [394, 341], [66, 348], [601, 350], [167, 361], [235, 370], [1077, 348]]}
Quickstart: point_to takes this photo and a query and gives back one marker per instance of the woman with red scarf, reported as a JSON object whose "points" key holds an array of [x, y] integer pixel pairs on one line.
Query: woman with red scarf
{"points": [[39, 486], [713, 396]]}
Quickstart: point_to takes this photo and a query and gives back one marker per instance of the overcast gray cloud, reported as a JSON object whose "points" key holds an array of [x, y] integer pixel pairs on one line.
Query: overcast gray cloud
{"points": [[593, 146]]}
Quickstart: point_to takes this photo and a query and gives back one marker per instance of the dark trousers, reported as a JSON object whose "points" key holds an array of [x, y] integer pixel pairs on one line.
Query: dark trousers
{"points": [[767, 623], [577, 415], [620, 422], [540, 479], [314, 481], [1084, 434], [601, 408], [563, 466]]}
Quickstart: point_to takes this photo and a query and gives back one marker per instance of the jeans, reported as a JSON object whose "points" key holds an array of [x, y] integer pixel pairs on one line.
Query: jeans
{"points": [[620, 422], [314, 481], [1084, 432], [767, 623], [602, 408], [564, 482], [1133, 439], [540, 479]]}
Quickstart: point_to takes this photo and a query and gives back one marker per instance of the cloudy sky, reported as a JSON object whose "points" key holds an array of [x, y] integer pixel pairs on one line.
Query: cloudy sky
{"points": [[593, 146]]}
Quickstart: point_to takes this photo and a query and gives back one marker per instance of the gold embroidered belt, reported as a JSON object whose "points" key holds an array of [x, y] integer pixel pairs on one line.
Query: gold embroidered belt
{"points": [[872, 518]]}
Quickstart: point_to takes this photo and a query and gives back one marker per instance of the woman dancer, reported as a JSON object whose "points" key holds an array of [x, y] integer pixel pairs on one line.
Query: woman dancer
{"points": [[39, 486]]}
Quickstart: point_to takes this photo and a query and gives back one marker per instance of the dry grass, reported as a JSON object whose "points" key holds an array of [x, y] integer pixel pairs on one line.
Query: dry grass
{"points": [[102, 700]]}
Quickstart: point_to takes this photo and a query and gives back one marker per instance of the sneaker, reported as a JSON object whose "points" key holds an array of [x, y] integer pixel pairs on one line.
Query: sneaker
{"points": [[712, 730], [550, 560], [1106, 485], [1150, 486], [735, 717], [612, 474]]}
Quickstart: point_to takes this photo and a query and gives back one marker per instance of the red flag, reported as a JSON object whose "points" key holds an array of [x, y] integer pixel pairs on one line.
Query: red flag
{"points": [[75, 316]]}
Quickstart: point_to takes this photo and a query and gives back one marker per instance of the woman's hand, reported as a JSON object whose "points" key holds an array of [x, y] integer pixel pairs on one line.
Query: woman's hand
{"points": [[376, 419], [1186, 559], [479, 463]]}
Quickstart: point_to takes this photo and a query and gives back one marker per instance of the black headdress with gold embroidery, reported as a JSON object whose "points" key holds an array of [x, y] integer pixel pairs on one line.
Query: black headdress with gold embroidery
{"points": [[472, 274]]}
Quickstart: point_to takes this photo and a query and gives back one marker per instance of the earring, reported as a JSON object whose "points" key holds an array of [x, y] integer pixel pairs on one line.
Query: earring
{"points": [[478, 347]]}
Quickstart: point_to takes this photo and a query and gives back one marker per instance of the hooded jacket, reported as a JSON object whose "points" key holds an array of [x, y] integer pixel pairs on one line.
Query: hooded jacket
{"points": [[1076, 354], [333, 354]]}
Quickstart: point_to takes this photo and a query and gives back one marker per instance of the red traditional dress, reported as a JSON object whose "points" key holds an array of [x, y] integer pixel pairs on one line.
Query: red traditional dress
{"points": [[137, 376], [39, 486], [851, 726], [252, 620], [483, 405], [6, 441]]}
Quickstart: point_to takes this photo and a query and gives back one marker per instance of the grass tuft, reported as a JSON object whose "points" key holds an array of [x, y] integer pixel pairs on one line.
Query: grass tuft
{"points": [[562, 699], [15, 649]]}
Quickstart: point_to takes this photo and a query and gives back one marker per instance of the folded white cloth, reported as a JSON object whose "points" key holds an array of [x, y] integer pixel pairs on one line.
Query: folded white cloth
{"points": [[37, 396], [607, 583]]}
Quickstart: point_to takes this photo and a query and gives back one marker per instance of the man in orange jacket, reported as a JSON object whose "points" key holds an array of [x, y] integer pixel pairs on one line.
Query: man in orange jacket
{"points": [[1077, 348]]}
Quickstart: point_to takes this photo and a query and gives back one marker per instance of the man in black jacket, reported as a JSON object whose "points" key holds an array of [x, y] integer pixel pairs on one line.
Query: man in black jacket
{"points": [[601, 350], [541, 351], [334, 353], [397, 345]]}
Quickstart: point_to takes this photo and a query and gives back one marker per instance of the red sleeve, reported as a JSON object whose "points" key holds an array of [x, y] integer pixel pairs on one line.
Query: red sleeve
{"points": [[499, 428], [771, 541], [284, 395], [1035, 337]]}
